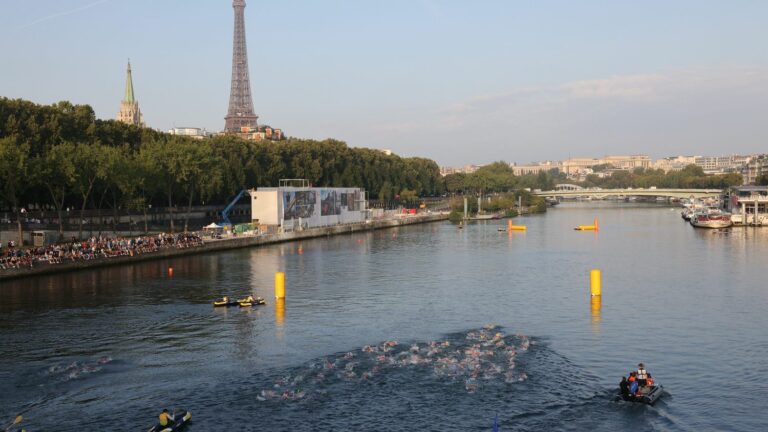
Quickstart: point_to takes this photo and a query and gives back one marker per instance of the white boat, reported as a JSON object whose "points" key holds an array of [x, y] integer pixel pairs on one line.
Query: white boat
{"points": [[711, 220]]}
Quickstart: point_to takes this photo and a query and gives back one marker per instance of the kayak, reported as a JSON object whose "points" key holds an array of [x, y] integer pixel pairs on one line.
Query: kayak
{"points": [[249, 303], [649, 395], [182, 418], [222, 303]]}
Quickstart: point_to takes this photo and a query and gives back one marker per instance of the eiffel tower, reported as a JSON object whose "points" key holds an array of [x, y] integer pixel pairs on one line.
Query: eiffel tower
{"points": [[240, 112]]}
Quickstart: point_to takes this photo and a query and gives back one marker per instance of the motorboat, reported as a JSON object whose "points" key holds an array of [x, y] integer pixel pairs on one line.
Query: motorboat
{"points": [[711, 220]]}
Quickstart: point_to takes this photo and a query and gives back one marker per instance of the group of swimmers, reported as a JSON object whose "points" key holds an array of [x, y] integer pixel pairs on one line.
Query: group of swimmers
{"points": [[475, 358], [637, 383]]}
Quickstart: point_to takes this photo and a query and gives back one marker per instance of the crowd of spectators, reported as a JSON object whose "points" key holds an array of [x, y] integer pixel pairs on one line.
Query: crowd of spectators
{"points": [[13, 257]]}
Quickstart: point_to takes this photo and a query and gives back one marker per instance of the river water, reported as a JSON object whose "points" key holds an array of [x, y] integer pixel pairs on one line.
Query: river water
{"points": [[419, 328]]}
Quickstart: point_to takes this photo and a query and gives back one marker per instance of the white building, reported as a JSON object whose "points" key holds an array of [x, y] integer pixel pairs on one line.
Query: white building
{"points": [[755, 168], [722, 164], [533, 168], [675, 163], [295, 208], [466, 169], [196, 133], [578, 166]]}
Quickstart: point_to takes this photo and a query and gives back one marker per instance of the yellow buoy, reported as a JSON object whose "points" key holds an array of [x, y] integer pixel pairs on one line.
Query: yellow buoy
{"points": [[279, 285], [594, 227], [594, 283], [511, 227]]}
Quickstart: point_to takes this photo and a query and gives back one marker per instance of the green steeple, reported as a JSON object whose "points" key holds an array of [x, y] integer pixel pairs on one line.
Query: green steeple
{"points": [[129, 86]]}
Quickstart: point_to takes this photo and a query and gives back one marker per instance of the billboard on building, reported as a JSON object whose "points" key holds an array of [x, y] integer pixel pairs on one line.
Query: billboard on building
{"points": [[298, 204], [329, 203]]}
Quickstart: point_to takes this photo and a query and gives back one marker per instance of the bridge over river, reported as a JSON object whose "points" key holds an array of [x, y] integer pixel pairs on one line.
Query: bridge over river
{"points": [[567, 190]]}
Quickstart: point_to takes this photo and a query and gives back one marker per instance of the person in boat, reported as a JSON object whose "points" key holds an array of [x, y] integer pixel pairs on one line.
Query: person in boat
{"points": [[249, 299], [649, 381], [166, 418], [642, 375], [624, 388], [225, 299], [634, 387]]}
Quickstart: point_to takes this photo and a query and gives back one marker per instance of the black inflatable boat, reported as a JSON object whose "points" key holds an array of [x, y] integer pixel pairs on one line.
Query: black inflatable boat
{"points": [[648, 395]]}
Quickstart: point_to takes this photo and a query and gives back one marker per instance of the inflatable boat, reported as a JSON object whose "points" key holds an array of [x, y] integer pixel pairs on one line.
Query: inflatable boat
{"points": [[648, 395], [250, 301], [225, 303], [181, 419]]}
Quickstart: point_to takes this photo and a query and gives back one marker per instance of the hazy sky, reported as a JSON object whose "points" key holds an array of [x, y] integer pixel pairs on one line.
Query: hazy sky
{"points": [[457, 81]]}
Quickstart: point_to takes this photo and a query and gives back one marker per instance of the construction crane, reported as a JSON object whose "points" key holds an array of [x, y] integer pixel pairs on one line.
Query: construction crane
{"points": [[228, 208]]}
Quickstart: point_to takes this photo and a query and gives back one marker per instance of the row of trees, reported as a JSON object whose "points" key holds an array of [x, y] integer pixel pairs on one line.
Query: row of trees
{"points": [[691, 176], [499, 177], [505, 203], [61, 156]]}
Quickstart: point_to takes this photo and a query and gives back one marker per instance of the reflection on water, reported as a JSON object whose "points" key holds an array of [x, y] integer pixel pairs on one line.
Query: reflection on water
{"points": [[280, 312], [686, 302], [596, 303]]}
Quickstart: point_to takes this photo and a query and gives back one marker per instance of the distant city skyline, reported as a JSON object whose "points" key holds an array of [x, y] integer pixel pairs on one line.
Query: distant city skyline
{"points": [[457, 82]]}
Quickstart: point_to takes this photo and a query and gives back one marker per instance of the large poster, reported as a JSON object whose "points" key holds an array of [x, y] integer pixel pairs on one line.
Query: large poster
{"points": [[357, 199], [298, 205], [348, 200], [329, 203]]}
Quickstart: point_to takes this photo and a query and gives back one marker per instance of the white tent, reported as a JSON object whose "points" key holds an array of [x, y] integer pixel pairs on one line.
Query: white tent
{"points": [[212, 226]]}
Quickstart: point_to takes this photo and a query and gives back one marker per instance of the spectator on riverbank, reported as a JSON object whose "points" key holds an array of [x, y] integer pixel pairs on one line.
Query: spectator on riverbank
{"points": [[94, 248]]}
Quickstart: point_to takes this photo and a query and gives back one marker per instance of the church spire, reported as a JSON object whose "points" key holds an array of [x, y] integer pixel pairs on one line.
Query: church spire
{"points": [[129, 107], [129, 85]]}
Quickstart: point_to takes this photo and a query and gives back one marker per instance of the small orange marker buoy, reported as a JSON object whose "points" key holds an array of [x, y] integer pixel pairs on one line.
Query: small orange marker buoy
{"points": [[301, 250], [170, 271]]}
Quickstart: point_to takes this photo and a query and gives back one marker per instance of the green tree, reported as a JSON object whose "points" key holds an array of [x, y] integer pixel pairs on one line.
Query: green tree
{"points": [[14, 167], [56, 171], [89, 167], [409, 196]]}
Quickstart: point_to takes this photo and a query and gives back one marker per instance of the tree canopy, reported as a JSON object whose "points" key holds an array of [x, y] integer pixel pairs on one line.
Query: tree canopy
{"points": [[61, 156]]}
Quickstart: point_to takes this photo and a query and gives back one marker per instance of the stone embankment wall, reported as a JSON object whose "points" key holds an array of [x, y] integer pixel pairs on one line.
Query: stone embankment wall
{"points": [[224, 244]]}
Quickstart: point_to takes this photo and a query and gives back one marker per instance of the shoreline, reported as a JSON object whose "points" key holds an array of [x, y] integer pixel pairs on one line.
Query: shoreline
{"points": [[222, 245]]}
